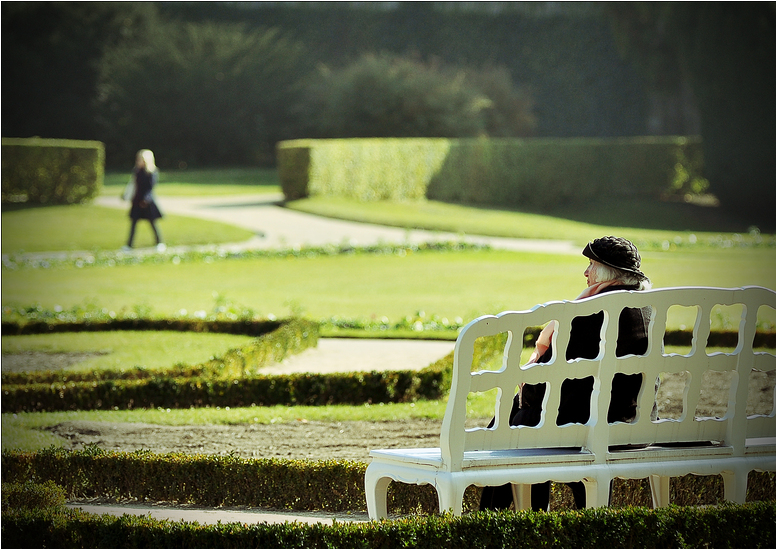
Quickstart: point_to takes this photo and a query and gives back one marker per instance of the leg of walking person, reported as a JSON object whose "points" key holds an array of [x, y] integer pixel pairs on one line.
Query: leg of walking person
{"points": [[132, 233], [157, 233]]}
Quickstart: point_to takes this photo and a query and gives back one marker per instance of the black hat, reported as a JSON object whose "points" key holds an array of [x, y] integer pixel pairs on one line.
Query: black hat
{"points": [[615, 252]]}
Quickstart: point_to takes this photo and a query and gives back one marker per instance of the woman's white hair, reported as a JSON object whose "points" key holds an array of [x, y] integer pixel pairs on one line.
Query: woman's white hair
{"points": [[148, 159], [605, 273]]}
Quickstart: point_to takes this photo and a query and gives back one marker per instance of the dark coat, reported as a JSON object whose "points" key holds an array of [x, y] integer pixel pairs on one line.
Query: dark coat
{"points": [[575, 401], [143, 205]]}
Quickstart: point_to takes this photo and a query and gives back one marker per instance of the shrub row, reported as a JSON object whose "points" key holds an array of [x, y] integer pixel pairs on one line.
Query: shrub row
{"points": [[292, 389], [276, 340], [235, 380], [240, 327], [32, 496], [748, 526], [331, 485], [51, 171], [507, 172], [210, 480]]}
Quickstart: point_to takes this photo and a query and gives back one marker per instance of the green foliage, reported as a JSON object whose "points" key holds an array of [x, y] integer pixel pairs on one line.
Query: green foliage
{"points": [[390, 96], [331, 485], [748, 526], [29, 495], [231, 380], [363, 169], [48, 171], [506, 172], [222, 86]]}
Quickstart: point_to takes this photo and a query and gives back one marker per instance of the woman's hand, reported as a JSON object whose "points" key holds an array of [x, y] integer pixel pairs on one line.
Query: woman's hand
{"points": [[543, 342]]}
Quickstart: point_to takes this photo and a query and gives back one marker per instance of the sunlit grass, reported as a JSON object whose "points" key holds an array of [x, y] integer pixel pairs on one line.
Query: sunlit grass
{"points": [[203, 182], [89, 227], [449, 284], [123, 350]]}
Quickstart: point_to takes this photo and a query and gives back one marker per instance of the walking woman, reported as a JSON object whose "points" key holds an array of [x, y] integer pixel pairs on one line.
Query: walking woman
{"points": [[145, 176]]}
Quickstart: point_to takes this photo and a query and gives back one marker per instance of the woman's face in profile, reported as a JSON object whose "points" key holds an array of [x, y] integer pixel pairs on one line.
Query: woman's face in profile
{"points": [[591, 273]]}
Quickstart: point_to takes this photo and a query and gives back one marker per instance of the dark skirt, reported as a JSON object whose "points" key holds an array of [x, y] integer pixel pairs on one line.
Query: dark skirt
{"points": [[148, 212]]}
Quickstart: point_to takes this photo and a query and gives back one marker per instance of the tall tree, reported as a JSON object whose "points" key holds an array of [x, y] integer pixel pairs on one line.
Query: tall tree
{"points": [[728, 50], [50, 55]]}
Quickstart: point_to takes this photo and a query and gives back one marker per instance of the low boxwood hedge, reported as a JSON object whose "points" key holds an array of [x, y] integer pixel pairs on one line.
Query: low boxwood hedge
{"points": [[235, 380], [275, 341], [292, 389], [728, 526], [332, 485]]}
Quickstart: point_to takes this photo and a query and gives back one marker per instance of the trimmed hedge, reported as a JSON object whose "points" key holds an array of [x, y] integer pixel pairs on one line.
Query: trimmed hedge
{"points": [[331, 485], [209, 480], [30, 495], [292, 389], [235, 380], [748, 526], [509, 172], [51, 171], [275, 340]]}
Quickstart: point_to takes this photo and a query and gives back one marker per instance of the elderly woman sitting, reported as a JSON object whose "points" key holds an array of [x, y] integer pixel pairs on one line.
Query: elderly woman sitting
{"points": [[613, 265]]}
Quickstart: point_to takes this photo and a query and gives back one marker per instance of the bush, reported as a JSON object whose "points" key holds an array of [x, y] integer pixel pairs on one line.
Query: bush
{"points": [[29, 495], [505, 172], [748, 526], [391, 96], [51, 171]]}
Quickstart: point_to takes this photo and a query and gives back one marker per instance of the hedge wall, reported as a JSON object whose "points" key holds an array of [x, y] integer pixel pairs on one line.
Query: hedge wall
{"points": [[508, 172], [51, 171]]}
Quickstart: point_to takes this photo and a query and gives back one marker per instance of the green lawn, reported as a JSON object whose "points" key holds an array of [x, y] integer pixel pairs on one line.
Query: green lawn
{"points": [[650, 224], [449, 284], [124, 350], [203, 182], [90, 227]]}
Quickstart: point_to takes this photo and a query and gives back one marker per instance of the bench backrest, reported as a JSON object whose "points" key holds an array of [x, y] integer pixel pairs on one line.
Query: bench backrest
{"points": [[596, 435]]}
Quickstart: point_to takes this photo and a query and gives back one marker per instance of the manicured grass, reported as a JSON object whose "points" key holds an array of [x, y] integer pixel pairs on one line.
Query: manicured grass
{"points": [[651, 224], [123, 350], [450, 284], [90, 227], [203, 182]]}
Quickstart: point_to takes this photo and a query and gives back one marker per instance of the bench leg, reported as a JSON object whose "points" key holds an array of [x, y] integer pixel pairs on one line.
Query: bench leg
{"points": [[376, 491], [450, 496], [659, 490], [597, 492], [522, 496], [735, 486]]}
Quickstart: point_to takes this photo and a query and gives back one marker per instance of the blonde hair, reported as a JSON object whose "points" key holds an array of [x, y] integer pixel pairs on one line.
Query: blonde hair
{"points": [[603, 273], [148, 158]]}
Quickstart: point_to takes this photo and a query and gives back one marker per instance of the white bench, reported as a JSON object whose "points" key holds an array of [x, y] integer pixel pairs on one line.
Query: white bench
{"points": [[596, 452]]}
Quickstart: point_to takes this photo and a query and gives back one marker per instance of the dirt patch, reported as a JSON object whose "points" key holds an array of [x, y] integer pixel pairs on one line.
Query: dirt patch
{"points": [[298, 440], [351, 440], [28, 361]]}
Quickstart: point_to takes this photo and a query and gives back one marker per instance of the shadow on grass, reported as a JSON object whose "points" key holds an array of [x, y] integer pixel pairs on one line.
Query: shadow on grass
{"points": [[640, 213]]}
